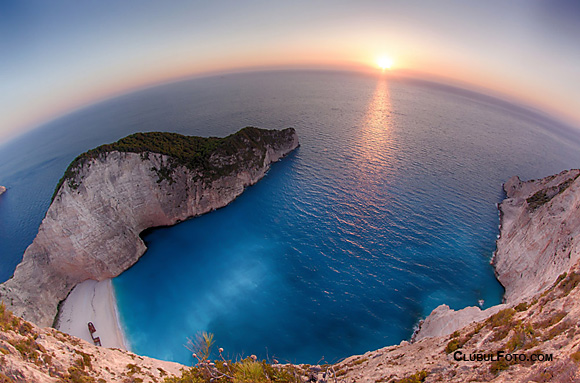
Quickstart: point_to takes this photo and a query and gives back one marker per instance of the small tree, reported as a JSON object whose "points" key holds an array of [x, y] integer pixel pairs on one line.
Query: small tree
{"points": [[201, 346]]}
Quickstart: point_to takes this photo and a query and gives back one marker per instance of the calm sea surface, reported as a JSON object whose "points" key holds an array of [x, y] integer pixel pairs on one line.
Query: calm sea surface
{"points": [[386, 211]]}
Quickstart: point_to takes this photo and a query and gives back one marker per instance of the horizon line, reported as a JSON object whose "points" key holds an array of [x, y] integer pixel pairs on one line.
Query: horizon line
{"points": [[393, 74]]}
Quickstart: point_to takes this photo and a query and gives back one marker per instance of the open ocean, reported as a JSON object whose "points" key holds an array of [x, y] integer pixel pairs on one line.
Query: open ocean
{"points": [[387, 210]]}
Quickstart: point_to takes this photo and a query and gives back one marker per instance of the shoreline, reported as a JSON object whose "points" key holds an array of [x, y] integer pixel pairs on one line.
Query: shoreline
{"points": [[70, 246], [92, 301]]}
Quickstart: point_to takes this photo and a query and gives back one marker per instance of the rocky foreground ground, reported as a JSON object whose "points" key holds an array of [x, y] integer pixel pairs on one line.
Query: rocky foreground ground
{"points": [[547, 326]]}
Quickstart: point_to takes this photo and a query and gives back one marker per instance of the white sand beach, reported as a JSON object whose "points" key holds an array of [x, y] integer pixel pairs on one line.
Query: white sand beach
{"points": [[92, 301]]}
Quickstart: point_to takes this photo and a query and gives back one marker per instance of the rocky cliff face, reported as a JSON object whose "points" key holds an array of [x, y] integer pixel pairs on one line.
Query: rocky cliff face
{"points": [[538, 262], [539, 240], [91, 229], [539, 227]]}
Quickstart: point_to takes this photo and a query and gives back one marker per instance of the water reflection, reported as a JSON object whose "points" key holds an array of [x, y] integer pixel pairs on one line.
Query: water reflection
{"points": [[376, 145]]}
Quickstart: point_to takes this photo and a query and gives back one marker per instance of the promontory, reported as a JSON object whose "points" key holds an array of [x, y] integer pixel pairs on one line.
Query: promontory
{"points": [[110, 194], [533, 337]]}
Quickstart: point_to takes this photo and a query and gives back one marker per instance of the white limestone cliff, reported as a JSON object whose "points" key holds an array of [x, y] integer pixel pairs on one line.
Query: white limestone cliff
{"points": [[539, 236], [539, 240], [537, 219], [91, 229], [444, 320]]}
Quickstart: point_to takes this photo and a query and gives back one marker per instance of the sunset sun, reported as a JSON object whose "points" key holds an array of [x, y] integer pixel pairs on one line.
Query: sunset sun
{"points": [[384, 63]]}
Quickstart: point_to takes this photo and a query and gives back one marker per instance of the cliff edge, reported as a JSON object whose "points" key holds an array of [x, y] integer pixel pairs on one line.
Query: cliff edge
{"points": [[539, 240], [535, 334], [533, 337], [539, 235], [110, 194]]}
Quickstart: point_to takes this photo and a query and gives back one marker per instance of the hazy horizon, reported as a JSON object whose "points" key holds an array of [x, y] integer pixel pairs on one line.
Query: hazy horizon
{"points": [[60, 57]]}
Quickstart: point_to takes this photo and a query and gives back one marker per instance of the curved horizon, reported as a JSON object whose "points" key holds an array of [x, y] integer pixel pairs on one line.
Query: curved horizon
{"points": [[61, 57], [392, 75]]}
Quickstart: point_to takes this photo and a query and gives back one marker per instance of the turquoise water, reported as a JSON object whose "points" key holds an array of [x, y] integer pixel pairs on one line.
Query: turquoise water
{"points": [[385, 211]]}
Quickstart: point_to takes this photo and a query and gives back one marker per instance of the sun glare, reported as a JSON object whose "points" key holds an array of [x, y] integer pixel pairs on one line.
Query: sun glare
{"points": [[385, 63]]}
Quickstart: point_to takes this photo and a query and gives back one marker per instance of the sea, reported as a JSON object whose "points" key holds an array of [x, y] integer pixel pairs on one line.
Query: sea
{"points": [[387, 210]]}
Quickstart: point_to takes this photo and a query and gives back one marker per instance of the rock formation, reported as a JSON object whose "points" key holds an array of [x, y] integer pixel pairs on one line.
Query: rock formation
{"points": [[539, 240], [536, 330], [42, 355], [111, 194], [538, 262], [444, 321]]}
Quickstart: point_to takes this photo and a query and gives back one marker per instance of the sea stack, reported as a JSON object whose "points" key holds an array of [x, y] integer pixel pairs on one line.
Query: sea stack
{"points": [[110, 194]]}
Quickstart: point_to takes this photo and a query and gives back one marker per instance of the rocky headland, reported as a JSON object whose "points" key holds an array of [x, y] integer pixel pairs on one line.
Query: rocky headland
{"points": [[537, 261], [539, 239], [110, 194]]}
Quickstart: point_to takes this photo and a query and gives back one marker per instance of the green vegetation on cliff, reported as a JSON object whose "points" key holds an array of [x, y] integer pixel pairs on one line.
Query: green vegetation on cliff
{"points": [[211, 157], [544, 196], [246, 370]]}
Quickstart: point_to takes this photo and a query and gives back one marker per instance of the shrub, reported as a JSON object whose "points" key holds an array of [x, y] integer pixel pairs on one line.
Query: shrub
{"points": [[538, 199], [501, 318], [5, 379], [499, 365], [201, 346], [500, 333], [417, 377], [452, 346], [28, 349], [521, 307], [77, 375], [249, 371], [569, 283], [7, 320], [85, 361], [188, 376], [523, 338], [558, 329], [358, 361], [543, 196]]}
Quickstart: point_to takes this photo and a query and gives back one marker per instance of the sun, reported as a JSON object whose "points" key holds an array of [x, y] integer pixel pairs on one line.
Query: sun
{"points": [[385, 63]]}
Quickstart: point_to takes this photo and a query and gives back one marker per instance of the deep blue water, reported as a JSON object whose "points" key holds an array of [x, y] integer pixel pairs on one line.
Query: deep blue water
{"points": [[385, 211]]}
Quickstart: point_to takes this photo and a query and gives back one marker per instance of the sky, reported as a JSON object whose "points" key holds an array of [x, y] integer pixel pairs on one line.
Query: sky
{"points": [[57, 56]]}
